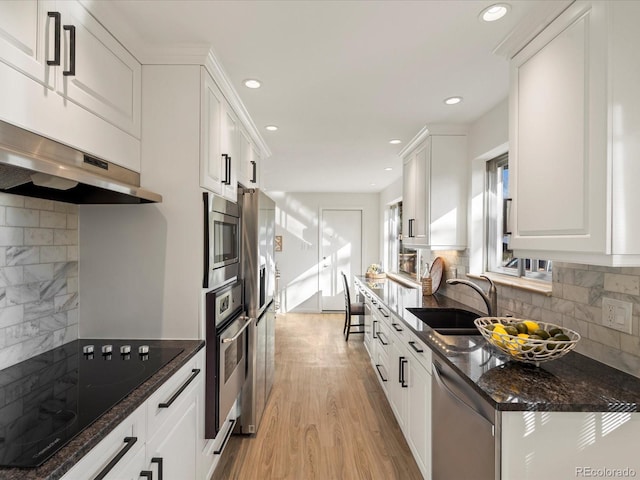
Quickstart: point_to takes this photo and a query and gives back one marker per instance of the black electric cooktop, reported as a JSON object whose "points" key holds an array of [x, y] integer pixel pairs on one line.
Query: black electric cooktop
{"points": [[49, 399]]}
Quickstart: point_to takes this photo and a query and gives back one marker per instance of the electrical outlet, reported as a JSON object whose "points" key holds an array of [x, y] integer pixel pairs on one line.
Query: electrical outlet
{"points": [[616, 314]]}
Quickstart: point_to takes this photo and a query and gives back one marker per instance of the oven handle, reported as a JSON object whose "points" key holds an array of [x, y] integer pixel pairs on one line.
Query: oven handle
{"points": [[244, 327]]}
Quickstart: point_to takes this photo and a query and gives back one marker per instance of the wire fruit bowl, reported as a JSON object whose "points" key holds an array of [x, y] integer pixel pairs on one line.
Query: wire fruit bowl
{"points": [[523, 348]]}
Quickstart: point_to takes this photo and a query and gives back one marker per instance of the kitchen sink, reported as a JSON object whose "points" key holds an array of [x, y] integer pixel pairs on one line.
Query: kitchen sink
{"points": [[448, 321]]}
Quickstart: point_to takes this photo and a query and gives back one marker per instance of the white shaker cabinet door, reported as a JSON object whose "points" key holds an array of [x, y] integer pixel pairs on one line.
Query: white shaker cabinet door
{"points": [[211, 166], [418, 428], [558, 155], [231, 148], [97, 72], [27, 31]]}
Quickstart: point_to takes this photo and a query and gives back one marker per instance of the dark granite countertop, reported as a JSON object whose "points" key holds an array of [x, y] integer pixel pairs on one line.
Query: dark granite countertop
{"points": [[69, 455], [572, 383]]}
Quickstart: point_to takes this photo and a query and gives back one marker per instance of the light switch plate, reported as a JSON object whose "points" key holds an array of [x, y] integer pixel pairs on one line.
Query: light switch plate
{"points": [[616, 314]]}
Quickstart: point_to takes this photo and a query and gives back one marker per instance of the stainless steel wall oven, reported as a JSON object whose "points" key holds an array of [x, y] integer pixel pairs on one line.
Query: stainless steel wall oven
{"points": [[226, 353], [221, 241]]}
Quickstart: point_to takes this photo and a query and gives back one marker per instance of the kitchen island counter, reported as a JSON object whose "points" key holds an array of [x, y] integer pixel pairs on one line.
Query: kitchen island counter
{"points": [[65, 458], [573, 383]]}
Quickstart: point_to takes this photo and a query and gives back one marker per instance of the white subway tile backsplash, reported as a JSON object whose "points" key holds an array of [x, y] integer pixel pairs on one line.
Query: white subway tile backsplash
{"points": [[22, 217], [627, 284], [575, 293], [38, 203], [53, 220], [11, 236], [38, 276], [38, 236], [53, 254]]}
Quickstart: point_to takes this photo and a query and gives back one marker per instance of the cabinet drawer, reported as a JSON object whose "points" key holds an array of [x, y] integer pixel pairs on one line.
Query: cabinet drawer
{"points": [[383, 336], [126, 441], [419, 350], [165, 400]]}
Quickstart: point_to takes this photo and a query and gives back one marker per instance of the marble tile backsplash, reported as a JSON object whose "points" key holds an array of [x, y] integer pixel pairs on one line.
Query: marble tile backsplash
{"points": [[38, 276], [576, 302]]}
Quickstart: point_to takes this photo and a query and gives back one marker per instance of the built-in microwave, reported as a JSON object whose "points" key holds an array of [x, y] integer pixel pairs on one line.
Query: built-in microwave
{"points": [[221, 241]]}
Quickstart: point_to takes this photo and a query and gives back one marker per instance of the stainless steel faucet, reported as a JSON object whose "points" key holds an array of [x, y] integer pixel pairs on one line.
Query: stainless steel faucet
{"points": [[490, 298]]}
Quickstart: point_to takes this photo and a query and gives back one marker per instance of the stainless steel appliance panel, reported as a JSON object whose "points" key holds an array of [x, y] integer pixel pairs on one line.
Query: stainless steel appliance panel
{"points": [[463, 426], [258, 267], [222, 242]]}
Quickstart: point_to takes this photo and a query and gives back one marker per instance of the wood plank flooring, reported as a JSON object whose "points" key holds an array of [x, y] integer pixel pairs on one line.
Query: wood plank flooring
{"points": [[327, 416]]}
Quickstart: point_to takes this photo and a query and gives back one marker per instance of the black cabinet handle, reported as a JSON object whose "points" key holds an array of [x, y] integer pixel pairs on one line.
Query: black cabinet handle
{"points": [[167, 404], [417, 349], [396, 327], [380, 373], [129, 443], [227, 169], [402, 380], [383, 342], [147, 474], [158, 460], [56, 39], [226, 437], [254, 169], [72, 51], [374, 329], [411, 220]]}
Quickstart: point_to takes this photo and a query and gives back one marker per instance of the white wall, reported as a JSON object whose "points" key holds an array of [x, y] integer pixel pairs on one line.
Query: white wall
{"points": [[297, 219], [488, 137]]}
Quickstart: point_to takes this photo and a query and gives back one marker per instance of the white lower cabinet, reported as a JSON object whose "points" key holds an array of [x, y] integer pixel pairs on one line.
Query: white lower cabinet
{"points": [[409, 388], [160, 437]]}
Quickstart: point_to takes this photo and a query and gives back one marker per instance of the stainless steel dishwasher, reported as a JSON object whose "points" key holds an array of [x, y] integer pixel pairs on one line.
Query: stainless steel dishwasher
{"points": [[464, 430]]}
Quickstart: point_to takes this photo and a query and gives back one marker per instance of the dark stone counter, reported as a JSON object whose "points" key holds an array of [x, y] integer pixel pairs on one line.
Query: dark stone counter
{"points": [[64, 459], [572, 383]]}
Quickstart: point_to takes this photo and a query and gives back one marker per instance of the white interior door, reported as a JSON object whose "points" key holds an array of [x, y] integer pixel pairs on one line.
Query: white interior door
{"points": [[340, 251]]}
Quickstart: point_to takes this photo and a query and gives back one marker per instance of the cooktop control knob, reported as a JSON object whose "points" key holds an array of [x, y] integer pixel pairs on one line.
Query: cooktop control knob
{"points": [[143, 349], [107, 349], [87, 349], [125, 349]]}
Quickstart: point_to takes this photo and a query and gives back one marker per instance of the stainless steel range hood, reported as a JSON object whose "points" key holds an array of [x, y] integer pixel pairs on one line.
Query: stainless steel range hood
{"points": [[36, 166]]}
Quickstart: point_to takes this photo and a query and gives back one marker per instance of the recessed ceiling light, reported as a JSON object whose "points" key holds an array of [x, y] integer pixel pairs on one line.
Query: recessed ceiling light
{"points": [[252, 83], [373, 184], [395, 141], [494, 12], [388, 169], [271, 128], [452, 100]]}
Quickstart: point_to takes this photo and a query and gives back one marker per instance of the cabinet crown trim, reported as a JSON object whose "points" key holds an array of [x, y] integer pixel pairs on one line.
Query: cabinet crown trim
{"points": [[428, 130]]}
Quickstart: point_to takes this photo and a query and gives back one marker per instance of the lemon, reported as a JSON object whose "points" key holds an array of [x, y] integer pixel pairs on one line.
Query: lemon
{"points": [[496, 337], [531, 325]]}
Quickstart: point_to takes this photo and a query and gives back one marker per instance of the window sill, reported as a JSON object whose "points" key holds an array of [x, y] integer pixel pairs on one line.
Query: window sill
{"points": [[530, 285]]}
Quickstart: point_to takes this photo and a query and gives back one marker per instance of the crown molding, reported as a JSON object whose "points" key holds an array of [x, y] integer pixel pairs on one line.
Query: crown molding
{"points": [[532, 24], [436, 129]]}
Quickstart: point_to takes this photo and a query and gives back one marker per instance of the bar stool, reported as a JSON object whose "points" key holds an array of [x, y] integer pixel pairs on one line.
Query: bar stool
{"points": [[352, 310]]}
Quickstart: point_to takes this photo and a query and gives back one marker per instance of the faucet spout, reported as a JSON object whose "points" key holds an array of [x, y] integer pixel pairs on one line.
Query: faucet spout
{"points": [[490, 297]]}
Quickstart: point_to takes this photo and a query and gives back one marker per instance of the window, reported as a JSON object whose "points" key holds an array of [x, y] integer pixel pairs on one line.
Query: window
{"points": [[499, 257], [394, 235]]}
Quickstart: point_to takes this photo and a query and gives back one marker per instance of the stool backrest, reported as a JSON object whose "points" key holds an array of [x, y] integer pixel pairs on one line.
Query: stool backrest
{"points": [[347, 297]]}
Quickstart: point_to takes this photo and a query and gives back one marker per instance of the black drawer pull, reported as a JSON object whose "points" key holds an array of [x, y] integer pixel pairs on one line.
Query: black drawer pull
{"points": [[383, 342], [403, 381], [72, 51], [397, 327], [147, 474], [254, 178], [56, 40], [413, 345], [226, 437], [380, 373], [129, 443], [167, 404], [158, 460]]}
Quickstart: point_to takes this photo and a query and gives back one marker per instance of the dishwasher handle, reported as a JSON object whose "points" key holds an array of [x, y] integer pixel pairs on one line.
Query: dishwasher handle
{"points": [[437, 374]]}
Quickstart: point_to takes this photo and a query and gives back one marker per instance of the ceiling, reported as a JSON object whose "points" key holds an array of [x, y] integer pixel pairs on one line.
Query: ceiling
{"points": [[339, 78]]}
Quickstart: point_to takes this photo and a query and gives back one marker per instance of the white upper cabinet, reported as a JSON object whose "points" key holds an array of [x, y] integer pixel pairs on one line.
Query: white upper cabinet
{"points": [[248, 162], [434, 197], [27, 29], [231, 153], [574, 118], [70, 79], [211, 161], [96, 71]]}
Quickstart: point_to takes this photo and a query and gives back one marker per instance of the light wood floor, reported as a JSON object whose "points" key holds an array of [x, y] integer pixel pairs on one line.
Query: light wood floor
{"points": [[327, 416]]}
